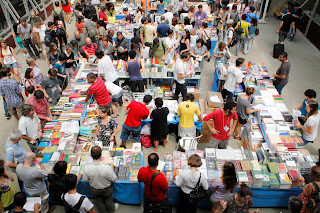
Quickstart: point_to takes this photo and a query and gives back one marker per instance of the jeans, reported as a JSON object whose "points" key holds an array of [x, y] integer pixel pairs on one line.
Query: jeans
{"points": [[28, 45], [279, 88], [104, 199], [5, 107], [247, 45], [239, 43], [127, 130], [180, 88], [61, 40]]}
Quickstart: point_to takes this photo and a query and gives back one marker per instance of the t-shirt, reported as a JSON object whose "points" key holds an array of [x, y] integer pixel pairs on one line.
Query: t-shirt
{"points": [[100, 175], [303, 109], [252, 31], [220, 191], [232, 206], [51, 86], [112, 88], [284, 69], [250, 16], [314, 122], [69, 56], [149, 32], [129, 18], [99, 91], [73, 199], [81, 41], [32, 178], [29, 126], [159, 51], [199, 17], [137, 112], [187, 180], [159, 184], [220, 121], [105, 66], [162, 29], [244, 26], [57, 187], [200, 52], [90, 49], [287, 20], [60, 68], [178, 68], [242, 106], [15, 151], [234, 76], [186, 111], [24, 31]]}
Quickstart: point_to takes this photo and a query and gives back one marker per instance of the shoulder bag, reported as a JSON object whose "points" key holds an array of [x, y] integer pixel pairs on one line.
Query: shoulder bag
{"points": [[198, 193], [208, 41], [239, 30]]}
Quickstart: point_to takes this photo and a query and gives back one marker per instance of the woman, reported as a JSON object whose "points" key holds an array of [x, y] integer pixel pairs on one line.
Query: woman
{"points": [[102, 14], [200, 50], [107, 47], [111, 13], [107, 128], [10, 59], [37, 72], [160, 7], [224, 185], [185, 42], [244, 110], [60, 31], [18, 39], [205, 33], [159, 124], [101, 26], [136, 46], [251, 34], [133, 67], [51, 85], [187, 25], [244, 25], [7, 189], [309, 125], [40, 30], [187, 182], [138, 16], [79, 25], [191, 12], [234, 14], [176, 28], [309, 191], [67, 9], [172, 43], [53, 55], [29, 80], [221, 53]]}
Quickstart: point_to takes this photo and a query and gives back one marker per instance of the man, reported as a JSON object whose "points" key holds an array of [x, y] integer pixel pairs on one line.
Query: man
{"points": [[122, 45], [233, 78], [58, 11], [285, 24], [282, 74], [33, 18], [91, 28], [89, 48], [73, 199], [106, 69], [247, 9], [200, 16], [19, 200], [142, 31], [51, 85], [107, 47], [163, 28], [80, 38], [101, 177], [159, 49], [169, 16], [32, 178], [11, 93], [146, 6], [230, 32], [159, 183], [69, 64], [186, 111], [98, 90], [245, 27], [252, 14], [149, 33], [298, 15], [136, 112], [180, 75], [295, 204], [310, 95], [128, 18], [24, 31], [53, 37], [41, 106], [221, 131]]}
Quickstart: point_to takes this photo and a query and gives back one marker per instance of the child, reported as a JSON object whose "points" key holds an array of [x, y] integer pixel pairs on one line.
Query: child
{"points": [[61, 75], [193, 38], [107, 128], [116, 94], [20, 199]]}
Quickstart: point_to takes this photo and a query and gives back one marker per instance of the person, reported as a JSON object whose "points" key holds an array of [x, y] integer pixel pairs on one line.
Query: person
{"points": [[223, 185], [142, 28], [234, 14], [39, 29], [107, 128], [221, 131], [106, 69], [32, 178], [237, 202], [185, 42], [136, 46], [160, 7], [174, 6], [108, 46], [58, 12], [37, 71], [221, 53], [191, 12], [250, 37], [24, 31], [159, 183], [308, 190], [146, 6], [200, 16], [159, 50], [5, 105], [53, 55], [205, 34], [162, 28], [176, 28], [98, 90], [187, 181], [61, 31], [133, 67], [101, 178], [75, 51], [29, 80], [180, 75], [116, 93], [295, 204], [298, 15], [61, 74], [19, 200], [245, 27], [8, 189], [69, 63], [101, 28], [81, 39], [252, 14], [287, 21], [67, 9], [51, 35], [72, 198], [79, 25], [282, 74], [30, 126], [56, 182], [136, 112], [149, 33], [244, 110], [102, 14], [200, 50], [91, 28], [51, 85], [184, 6], [172, 44], [11, 92], [169, 17], [310, 95], [233, 78], [111, 12], [122, 45], [89, 48], [138, 15], [159, 124], [10, 60], [128, 18], [18, 39], [247, 8]]}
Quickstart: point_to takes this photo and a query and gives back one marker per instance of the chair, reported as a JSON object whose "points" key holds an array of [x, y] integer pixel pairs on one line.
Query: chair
{"points": [[189, 143]]}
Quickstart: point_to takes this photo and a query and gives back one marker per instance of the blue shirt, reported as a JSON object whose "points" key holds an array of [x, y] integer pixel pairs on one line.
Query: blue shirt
{"points": [[11, 90], [60, 68], [162, 29], [252, 31], [15, 151], [160, 8], [250, 16], [303, 109]]}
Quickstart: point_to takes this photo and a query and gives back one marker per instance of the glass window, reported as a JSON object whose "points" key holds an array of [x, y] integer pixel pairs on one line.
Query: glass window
{"points": [[19, 7], [3, 22]]}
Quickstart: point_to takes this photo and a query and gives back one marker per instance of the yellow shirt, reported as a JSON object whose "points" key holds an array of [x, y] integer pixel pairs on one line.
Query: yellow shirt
{"points": [[244, 25], [186, 111]]}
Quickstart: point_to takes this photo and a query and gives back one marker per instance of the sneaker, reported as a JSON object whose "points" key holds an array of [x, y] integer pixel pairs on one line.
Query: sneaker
{"points": [[8, 117], [116, 206], [22, 85]]}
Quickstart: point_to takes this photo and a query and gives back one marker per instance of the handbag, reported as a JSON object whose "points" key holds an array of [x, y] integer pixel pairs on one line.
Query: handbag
{"points": [[239, 30], [208, 41], [257, 31], [198, 193], [36, 38], [314, 203]]}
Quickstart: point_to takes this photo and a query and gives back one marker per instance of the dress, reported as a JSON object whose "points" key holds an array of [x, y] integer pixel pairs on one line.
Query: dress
{"points": [[183, 45], [66, 8], [106, 130], [159, 124]]}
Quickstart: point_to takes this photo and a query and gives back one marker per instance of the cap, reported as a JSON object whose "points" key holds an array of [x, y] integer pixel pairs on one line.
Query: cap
{"points": [[230, 21]]}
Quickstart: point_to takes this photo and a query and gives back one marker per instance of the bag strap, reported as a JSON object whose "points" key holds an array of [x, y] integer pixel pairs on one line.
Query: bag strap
{"points": [[78, 205], [206, 34], [316, 187], [164, 49], [152, 178], [65, 203], [14, 153], [198, 184]]}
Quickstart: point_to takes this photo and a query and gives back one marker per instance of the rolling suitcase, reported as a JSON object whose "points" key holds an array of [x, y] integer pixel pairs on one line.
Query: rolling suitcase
{"points": [[277, 49]]}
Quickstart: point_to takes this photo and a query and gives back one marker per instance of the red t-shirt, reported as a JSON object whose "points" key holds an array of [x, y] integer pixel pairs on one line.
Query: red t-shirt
{"points": [[220, 120], [40, 106], [91, 50], [137, 112], [159, 184], [99, 91]]}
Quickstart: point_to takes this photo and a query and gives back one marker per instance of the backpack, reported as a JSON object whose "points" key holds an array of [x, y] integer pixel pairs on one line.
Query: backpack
{"points": [[47, 38], [239, 30], [235, 38], [64, 2], [91, 31], [72, 209], [58, 15], [314, 203]]}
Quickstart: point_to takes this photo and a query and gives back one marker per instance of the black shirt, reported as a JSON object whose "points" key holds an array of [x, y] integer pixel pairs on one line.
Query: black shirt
{"points": [[71, 56], [287, 20]]}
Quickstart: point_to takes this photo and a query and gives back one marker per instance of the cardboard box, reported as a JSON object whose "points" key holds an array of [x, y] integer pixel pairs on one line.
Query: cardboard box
{"points": [[208, 109], [214, 103], [205, 132], [195, 93]]}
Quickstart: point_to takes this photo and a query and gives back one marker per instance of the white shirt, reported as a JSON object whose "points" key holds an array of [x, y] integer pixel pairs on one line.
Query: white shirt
{"points": [[105, 66], [175, 6], [73, 199], [228, 35], [187, 180], [234, 75], [29, 126], [8, 57], [112, 88], [314, 122], [170, 43], [41, 31], [178, 68], [100, 175], [169, 17]]}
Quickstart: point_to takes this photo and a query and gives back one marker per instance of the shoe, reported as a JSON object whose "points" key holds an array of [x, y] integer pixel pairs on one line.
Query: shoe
{"points": [[8, 118], [22, 85], [208, 59], [124, 146], [116, 206]]}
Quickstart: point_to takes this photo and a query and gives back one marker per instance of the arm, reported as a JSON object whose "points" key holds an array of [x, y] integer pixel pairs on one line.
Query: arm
{"points": [[309, 129], [85, 51], [279, 76], [87, 98], [299, 107], [249, 111], [91, 211], [188, 46], [192, 53], [141, 38], [233, 127], [21, 96], [15, 56], [97, 129], [10, 164], [168, 50], [212, 189], [114, 134], [180, 76], [281, 24], [293, 27], [211, 128]]}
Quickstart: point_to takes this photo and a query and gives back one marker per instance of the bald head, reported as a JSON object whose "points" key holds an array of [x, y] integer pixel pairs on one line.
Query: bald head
{"points": [[88, 41], [29, 158], [77, 34]]}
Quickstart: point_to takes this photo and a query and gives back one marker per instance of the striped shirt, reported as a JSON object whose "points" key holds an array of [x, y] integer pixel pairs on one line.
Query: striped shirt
{"points": [[40, 106], [91, 50], [99, 91], [11, 90]]}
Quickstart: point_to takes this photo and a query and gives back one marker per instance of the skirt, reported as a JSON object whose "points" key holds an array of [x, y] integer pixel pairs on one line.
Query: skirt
{"points": [[66, 8]]}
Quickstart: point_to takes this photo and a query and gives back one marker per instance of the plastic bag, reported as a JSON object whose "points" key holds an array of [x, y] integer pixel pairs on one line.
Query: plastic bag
{"points": [[146, 129], [145, 141]]}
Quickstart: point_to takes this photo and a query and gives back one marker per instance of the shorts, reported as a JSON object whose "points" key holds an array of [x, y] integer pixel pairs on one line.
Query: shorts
{"points": [[11, 66], [127, 130], [282, 36], [241, 121], [21, 45], [187, 132], [15, 110], [221, 144], [117, 98], [214, 200]]}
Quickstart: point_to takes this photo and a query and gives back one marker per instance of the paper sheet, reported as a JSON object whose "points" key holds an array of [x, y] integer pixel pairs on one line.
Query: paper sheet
{"points": [[161, 165], [145, 52], [70, 127], [190, 89], [215, 99], [29, 206]]}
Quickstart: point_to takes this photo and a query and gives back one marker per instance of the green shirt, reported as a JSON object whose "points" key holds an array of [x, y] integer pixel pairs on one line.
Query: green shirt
{"points": [[159, 51], [244, 25]]}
